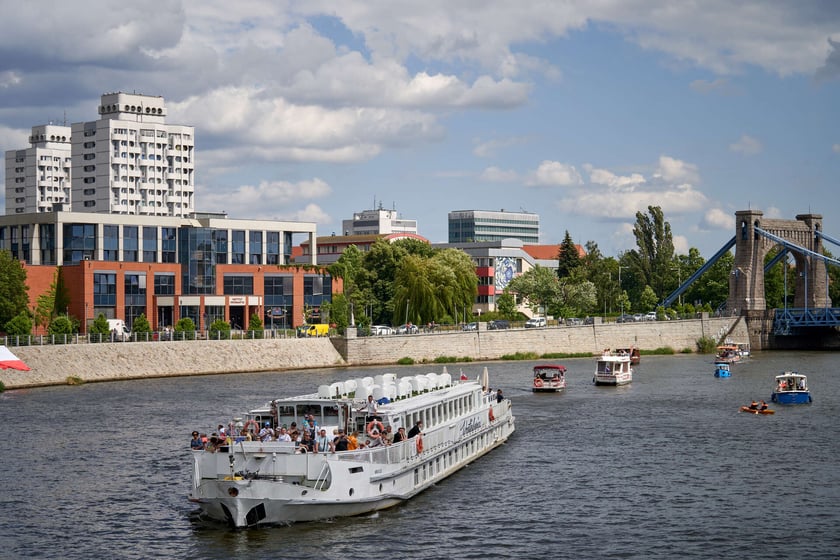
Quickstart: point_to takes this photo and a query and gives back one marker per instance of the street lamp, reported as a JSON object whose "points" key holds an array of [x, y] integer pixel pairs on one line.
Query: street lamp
{"points": [[406, 310], [620, 292], [679, 282]]}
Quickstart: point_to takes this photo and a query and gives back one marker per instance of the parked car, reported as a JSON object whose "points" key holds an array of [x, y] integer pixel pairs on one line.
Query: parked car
{"points": [[573, 321], [535, 322], [650, 316], [589, 321], [408, 329], [381, 330], [625, 319], [498, 324], [470, 327], [638, 317]]}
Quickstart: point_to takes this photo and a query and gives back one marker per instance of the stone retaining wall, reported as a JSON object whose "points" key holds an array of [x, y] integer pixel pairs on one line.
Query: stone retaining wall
{"points": [[52, 365]]}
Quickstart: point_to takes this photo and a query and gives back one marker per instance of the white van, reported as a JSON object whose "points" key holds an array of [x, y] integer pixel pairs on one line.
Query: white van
{"points": [[118, 330]]}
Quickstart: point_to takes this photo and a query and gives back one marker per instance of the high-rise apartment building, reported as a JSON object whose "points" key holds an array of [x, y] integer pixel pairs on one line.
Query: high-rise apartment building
{"points": [[38, 177], [470, 226], [131, 162]]}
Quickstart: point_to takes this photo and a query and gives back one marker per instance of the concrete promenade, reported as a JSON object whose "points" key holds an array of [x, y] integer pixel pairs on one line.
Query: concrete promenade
{"points": [[52, 365]]}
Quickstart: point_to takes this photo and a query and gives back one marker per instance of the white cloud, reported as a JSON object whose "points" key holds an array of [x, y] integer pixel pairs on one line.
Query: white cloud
{"points": [[671, 170], [747, 145], [681, 244], [624, 205], [496, 175], [610, 179], [554, 174], [716, 219], [492, 147], [267, 200]]}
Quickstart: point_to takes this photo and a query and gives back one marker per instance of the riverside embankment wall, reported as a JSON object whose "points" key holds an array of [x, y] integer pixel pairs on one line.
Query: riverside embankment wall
{"points": [[52, 365]]}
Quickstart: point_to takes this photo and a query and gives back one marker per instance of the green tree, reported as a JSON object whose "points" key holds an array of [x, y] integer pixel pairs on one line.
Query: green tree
{"points": [[141, 328], [255, 326], [649, 299], [19, 325], [14, 299], [99, 329], [357, 282], [653, 258], [184, 329], [45, 306], [61, 328], [538, 288], [506, 305], [568, 258], [220, 330], [62, 294]]}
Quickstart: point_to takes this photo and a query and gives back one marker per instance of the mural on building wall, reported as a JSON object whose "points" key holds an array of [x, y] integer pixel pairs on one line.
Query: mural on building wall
{"points": [[505, 271]]}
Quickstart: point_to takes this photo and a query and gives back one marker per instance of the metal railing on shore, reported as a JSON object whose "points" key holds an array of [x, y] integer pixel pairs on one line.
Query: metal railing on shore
{"points": [[157, 336]]}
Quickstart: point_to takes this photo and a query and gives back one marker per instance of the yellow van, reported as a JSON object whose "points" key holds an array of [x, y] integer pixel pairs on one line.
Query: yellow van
{"points": [[319, 329]]}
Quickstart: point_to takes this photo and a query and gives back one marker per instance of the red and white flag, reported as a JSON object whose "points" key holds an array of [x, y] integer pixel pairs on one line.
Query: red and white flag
{"points": [[10, 361], [463, 376]]}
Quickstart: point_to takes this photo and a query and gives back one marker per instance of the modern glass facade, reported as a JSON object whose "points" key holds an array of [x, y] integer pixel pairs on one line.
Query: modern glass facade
{"points": [[198, 260], [469, 226]]}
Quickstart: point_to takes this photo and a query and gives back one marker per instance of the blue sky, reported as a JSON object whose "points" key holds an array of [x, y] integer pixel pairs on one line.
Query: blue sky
{"points": [[582, 112]]}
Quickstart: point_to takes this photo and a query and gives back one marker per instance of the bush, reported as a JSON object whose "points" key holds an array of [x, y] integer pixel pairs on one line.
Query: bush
{"points": [[99, 329], [405, 361], [706, 345], [220, 330], [184, 329], [19, 325], [61, 329]]}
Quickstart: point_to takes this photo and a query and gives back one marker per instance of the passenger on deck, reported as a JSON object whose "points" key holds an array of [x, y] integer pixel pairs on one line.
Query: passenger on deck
{"points": [[283, 435], [416, 429], [353, 440], [294, 433], [266, 433], [370, 407], [400, 435], [213, 444], [375, 439], [195, 443], [387, 435], [307, 443], [322, 442], [499, 396], [341, 443]]}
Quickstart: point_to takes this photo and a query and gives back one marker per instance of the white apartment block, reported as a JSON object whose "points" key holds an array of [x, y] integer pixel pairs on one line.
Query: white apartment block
{"points": [[379, 221], [38, 177], [131, 162]]}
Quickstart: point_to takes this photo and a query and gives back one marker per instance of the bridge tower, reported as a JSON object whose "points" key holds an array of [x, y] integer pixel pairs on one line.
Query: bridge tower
{"points": [[746, 282]]}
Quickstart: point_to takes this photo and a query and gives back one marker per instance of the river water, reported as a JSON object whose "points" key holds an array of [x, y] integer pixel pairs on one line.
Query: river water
{"points": [[663, 467]]}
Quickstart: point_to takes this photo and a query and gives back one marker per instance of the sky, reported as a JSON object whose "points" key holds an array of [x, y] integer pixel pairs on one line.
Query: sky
{"points": [[584, 112]]}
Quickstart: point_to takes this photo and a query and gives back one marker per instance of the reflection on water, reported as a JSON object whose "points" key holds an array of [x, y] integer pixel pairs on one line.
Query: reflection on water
{"points": [[664, 466]]}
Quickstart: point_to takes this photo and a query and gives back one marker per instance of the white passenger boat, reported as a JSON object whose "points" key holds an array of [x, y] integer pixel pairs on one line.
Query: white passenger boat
{"points": [[247, 483], [613, 368]]}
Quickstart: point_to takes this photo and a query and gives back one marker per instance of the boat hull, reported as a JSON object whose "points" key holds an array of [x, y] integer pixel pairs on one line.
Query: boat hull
{"points": [[612, 380], [723, 373], [547, 389], [791, 397]]}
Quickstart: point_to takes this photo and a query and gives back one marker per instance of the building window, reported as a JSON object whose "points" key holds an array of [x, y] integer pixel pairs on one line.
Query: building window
{"points": [[272, 248], [165, 284], [238, 247], [220, 239], [149, 244], [168, 245], [104, 289], [255, 247], [79, 242], [135, 296], [111, 243], [130, 244], [238, 285]]}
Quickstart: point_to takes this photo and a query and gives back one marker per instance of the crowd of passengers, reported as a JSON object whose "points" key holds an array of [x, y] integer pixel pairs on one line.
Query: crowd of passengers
{"points": [[310, 438]]}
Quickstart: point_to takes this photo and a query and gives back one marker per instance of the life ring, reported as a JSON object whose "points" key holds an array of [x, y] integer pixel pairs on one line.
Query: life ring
{"points": [[419, 443], [538, 382], [252, 423], [374, 424], [492, 418]]}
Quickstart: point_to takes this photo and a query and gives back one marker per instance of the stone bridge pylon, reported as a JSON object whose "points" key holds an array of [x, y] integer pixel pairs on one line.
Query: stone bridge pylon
{"points": [[746, 282]]}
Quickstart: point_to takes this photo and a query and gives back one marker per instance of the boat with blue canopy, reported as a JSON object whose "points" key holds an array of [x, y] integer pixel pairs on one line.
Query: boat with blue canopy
{"points": [[722, 369]]}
